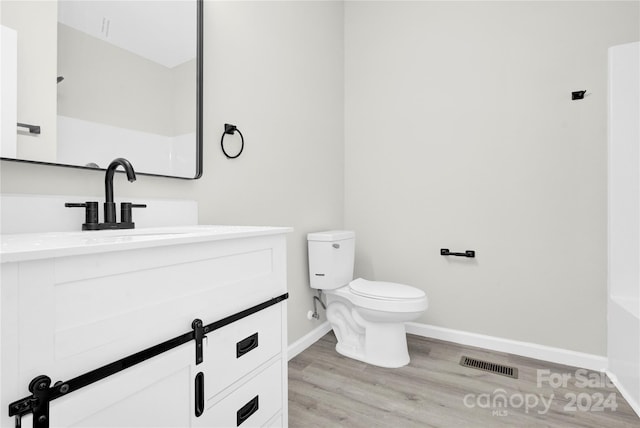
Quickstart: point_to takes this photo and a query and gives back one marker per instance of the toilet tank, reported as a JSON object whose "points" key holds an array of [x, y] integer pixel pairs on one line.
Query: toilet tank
{"points": [[331, 256]]}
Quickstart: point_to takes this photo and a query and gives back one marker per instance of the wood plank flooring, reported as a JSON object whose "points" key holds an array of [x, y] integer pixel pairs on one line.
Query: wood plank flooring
{"points": [[329, 390]]}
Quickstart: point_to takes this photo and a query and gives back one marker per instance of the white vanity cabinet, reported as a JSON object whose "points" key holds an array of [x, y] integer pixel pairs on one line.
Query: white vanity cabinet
{"points": [[72, 307]]}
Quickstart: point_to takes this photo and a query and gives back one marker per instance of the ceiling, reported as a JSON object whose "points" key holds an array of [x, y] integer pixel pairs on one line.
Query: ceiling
{"points": [[162, 31]]}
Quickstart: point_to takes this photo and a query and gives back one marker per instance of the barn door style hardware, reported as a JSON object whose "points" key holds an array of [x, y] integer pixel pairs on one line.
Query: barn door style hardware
{"points": [[42, 393], [198, 336]]}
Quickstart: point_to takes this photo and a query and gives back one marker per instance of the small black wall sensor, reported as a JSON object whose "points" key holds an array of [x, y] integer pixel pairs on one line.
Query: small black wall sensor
{"points": [[577, 95]]}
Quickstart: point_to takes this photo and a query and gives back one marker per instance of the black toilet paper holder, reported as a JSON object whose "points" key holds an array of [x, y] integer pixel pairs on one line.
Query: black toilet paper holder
{"points": [[467, 253]]}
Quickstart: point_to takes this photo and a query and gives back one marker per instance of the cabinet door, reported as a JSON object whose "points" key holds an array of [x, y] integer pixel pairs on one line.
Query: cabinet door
{"points": [[254, 403], [155, 393], [234, 351], [242, 371]]}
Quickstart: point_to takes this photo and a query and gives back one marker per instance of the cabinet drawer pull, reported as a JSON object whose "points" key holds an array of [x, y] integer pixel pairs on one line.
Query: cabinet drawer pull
{"points": [[247, 410], [246, 345], [199, 394]]}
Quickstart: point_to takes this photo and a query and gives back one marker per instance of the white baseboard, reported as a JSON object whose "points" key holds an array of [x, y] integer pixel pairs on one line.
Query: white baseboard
{"points": [[525, 349], [308, 339], [627, 396]]}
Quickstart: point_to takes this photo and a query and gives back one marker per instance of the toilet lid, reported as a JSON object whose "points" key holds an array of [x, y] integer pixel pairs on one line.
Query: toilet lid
{"points": [[384, 290]]}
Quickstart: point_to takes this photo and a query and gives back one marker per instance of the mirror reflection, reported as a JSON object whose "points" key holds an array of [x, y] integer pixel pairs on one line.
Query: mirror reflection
{"points": [[105, 79]]}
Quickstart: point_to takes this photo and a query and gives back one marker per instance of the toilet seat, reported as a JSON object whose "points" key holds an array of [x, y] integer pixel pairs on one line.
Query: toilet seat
{"points": [[398, 304], [384, 290]]}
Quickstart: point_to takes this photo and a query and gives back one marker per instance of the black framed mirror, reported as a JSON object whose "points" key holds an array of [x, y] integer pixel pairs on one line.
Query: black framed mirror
{"points": [[97, 80]]}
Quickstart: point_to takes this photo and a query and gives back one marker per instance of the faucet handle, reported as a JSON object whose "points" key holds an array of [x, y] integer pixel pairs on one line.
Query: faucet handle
{"points": [[125, 211], [91, 214]]}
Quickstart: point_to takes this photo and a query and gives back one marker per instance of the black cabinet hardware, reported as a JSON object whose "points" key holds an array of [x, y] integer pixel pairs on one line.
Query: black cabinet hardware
{"points": [[199, 394], [247, 410], [33, 129], [246, 345]]}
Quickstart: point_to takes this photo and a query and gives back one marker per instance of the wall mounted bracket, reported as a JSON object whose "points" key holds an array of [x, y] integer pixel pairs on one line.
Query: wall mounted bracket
{"points": [[467, 253], [231, 130], [578, 95]]}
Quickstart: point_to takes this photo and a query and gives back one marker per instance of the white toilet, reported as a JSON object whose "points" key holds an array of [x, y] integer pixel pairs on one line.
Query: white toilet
{"points": [[367, 317]]}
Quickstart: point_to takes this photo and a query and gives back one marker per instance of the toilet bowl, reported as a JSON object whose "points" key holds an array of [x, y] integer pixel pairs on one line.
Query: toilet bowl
{"points": [[370, 327], [367, 317]]}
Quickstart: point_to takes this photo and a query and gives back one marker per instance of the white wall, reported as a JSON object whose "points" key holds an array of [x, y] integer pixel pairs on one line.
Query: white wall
{"points": [[461, 134], [274, 69]]}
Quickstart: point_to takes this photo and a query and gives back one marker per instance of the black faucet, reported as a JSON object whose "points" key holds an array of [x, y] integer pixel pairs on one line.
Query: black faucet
{"points": [[91, 218], [109, 205]]}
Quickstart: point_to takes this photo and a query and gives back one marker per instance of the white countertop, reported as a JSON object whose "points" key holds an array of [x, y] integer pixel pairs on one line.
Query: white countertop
{"points": [[34, 246]]}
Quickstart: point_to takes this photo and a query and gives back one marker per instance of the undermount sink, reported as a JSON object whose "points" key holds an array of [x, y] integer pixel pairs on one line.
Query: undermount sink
{"points": [[155, 231], [179, 230]]}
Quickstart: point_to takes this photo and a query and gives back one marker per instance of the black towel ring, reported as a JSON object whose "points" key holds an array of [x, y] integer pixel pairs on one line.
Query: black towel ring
{"points": [[231, 130]]}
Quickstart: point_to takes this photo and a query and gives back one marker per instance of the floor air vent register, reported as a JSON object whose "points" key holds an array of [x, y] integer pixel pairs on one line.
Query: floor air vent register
{"points": [[489, 367]]}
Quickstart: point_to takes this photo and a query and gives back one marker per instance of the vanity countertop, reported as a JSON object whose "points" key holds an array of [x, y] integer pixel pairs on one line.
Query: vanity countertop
{"points": [[34, 246]]}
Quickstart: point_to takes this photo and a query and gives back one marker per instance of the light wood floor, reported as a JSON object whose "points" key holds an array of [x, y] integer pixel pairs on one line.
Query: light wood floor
{"points": [[328, 390]]}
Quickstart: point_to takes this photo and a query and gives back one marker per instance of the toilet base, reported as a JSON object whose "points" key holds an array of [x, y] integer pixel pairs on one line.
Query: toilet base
{"points": [[385, 345], [378, 343]]}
